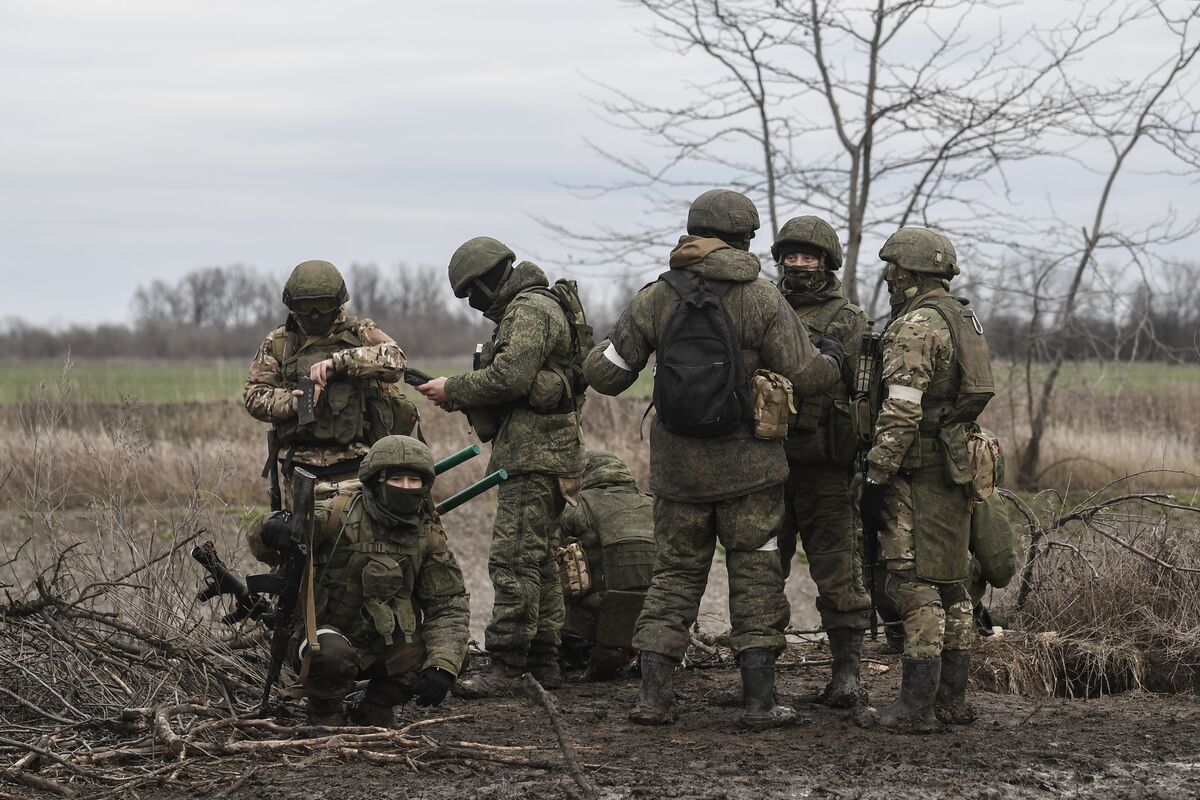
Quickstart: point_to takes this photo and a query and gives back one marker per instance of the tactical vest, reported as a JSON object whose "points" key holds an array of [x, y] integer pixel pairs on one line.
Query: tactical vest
{"points": [[620, 538], [957, 396], [348, 411], [366, 574], [820, 430]]}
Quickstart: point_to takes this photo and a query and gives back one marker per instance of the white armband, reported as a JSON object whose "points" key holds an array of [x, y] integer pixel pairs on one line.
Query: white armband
{"points": [[613, 356], [896, 392], [771, 545]]}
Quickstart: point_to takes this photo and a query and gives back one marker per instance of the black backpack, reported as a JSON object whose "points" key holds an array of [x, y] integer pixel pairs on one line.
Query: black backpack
{"points": [[700, 384]]}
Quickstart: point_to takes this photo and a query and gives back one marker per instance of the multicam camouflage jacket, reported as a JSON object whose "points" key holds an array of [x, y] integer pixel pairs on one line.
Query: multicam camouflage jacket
{"points": [[361, 353], [709, 470], [531, 332]]}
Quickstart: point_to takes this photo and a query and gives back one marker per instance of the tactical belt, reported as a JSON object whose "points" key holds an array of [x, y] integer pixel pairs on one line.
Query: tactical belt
{"points": [[378, 547]]}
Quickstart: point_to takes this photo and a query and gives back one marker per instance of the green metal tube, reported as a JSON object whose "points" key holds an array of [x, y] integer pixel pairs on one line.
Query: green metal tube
{"points": [[472, 491], [454, 459]]}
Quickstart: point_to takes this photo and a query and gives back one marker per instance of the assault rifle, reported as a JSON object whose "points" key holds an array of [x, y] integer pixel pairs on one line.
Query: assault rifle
{"points": [[865, 402], [287, 582], [221, 581]]}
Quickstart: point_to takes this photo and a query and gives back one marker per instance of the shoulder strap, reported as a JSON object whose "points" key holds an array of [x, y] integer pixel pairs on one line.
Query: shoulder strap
{"points": [[686, 284]]}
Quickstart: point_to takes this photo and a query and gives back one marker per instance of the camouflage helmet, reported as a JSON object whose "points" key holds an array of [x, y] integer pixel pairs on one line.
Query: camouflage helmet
{"points": [[723, 211], [472, 260], [811, 231], [397, 453], [313, 279], [921, 250]]}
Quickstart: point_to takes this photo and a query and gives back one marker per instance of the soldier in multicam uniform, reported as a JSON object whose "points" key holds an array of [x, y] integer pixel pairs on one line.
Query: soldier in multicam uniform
{"points": [[820, 450], [614, 523], [727, 488], [521, 399], [355, 366], [389, 597], [938, 378]]}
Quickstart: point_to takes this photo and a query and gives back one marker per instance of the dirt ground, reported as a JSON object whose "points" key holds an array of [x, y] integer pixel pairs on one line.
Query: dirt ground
{"points": [[1128, 746]]}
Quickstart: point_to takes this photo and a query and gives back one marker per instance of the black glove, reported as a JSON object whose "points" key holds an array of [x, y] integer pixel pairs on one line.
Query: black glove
{"points": [[431, 686], [276, 530], [832, 348], [871, 506]]}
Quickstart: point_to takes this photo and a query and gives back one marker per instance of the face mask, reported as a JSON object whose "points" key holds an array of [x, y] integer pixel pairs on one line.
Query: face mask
{"points": [[403, 502], [802, 281], [480, 299], [316, 322]]}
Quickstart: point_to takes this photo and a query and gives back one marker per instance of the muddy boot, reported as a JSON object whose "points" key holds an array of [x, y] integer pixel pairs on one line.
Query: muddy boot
{"points": [[844, 690], [326, 711], [605, 663], [495, 680], [375, 708], [655, 694], [759, 710], [543, 665], [952, 707], [913, 710]]}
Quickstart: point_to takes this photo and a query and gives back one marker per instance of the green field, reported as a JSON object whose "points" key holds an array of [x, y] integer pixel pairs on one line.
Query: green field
{"points": [[211, 382]]}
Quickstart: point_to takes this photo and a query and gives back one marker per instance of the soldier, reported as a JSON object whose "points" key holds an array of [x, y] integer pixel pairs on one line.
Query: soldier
{"points": [[354, 365], [820, 450], [388, 594], [614, 524], [726, 487], [938, 378], [521, 398]]}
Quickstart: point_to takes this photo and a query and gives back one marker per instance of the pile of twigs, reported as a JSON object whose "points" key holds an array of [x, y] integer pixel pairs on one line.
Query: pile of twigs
{"points": [[113, 685]]}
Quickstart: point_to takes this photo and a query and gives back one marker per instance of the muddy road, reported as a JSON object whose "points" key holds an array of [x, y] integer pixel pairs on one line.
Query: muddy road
{"points": [[1127, 746]]}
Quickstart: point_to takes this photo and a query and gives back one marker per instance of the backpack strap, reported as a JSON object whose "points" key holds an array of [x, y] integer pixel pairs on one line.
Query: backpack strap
{"points": [[687, 284]]}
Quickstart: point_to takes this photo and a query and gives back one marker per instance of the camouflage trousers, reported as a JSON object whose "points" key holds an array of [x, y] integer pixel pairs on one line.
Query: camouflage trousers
{"points": [[936, 614], [687, 536], [527, 613], [818, 507], [391, 669]]}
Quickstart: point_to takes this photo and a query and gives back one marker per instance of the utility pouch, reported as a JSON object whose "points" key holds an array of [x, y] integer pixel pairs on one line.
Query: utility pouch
{"points": [[387, 588], [986, 463], [956, 462], [573, 571], [771, 400]]}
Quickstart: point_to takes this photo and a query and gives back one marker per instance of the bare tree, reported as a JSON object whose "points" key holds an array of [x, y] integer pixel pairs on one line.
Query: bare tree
{"points": [[873, 116]]}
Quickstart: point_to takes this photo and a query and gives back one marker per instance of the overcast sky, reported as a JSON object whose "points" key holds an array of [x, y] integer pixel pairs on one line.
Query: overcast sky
{"points": [[144, 138]]}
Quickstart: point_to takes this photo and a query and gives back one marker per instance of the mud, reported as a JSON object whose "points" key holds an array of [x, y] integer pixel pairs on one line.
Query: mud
{"points": [[1127, 746]]}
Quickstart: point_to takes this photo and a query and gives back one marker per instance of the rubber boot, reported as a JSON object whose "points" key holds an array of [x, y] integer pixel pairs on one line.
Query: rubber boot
{"points": [[759, 710], [844, 689], [656, 695], [495, 680], [952, 707], [913, 710], [326, 711]]}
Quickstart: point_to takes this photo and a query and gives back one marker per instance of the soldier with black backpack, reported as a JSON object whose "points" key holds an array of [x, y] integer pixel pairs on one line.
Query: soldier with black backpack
{"points": [[729, 352]]}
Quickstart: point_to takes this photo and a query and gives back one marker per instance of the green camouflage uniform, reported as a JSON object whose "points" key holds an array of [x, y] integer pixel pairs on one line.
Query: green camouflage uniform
{"points": [[820, 450], [614, 522], [361, 403], [541, 449], [927, 509], [728, 488]]}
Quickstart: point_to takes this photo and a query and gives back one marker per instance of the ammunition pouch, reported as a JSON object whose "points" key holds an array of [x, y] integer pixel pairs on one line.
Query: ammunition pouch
{"points": [[771, 401], [573, 571]]}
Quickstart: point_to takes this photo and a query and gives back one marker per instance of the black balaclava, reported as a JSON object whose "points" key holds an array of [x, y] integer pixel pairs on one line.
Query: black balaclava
{"points": [[393, 506], [801, 286], [315, 322], [484, 290]]}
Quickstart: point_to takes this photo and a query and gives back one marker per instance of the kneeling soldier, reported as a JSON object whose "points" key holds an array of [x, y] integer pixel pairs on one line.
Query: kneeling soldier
{"points": [[613, 524], [389, 598]]}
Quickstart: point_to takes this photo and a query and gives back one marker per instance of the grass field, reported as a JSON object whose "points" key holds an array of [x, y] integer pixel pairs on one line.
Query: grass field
{"points": [[211, 382]]}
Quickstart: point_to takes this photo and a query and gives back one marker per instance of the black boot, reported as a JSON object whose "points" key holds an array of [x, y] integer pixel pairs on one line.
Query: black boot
{"points": [[326, 711], [606, 663], [844, 690], [759, 710], [913, 710], [376, 706], [497, 679], [656, 694], [952, 707]]}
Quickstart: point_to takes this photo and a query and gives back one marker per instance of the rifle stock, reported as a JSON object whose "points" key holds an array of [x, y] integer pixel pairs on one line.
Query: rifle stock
{"points": [[221, 581]]}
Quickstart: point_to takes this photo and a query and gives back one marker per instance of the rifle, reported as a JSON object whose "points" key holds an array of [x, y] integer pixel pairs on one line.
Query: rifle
{"points": [[221, 581], [865, 402], [471, 492], [288, 582], [271, 468]]}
